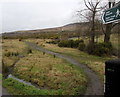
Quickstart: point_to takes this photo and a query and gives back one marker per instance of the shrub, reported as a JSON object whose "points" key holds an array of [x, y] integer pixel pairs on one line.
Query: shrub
{"points": [[81, 46], [104, 49], [5, 37], [77, 42], [89, 48], [16, 54], [116, 52], [70, 43], [20, 39], [53, 42], [100, 49], [8, 54], [63, 43]]}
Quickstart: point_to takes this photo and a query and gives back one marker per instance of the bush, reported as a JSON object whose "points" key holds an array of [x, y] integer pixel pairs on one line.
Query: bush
{"points": [[20, 39], [77, 42], [81, 46], [53, 42], [29, 51], [16, 54], [63, 43], [100, 49], [8, 54], [66, 43], [70, 43], [89, 48]]}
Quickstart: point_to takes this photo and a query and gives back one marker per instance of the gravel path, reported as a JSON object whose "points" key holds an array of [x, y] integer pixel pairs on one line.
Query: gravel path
{"points": [[95, 86]]}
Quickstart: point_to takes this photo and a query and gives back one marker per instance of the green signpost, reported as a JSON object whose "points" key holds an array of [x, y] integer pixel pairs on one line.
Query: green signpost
{"points": [[111, 15]]}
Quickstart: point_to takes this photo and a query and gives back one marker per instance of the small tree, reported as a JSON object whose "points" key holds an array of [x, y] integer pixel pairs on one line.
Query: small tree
{"points": [[93, 7], [91, 15]]}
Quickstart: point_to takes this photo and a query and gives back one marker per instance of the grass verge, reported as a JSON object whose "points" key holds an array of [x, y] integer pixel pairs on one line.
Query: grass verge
{"points": [[16, 88]]}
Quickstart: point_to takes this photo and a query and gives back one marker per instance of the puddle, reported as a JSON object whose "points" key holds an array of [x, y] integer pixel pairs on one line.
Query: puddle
{"points": [[20, 80]]}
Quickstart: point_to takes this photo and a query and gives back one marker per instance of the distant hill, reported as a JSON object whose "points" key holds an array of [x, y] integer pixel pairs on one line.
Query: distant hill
{"points": [[69, 27], [73, 28]]}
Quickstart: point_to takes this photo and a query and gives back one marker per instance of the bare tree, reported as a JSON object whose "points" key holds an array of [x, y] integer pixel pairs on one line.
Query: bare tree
{"points": [[94, 7]]}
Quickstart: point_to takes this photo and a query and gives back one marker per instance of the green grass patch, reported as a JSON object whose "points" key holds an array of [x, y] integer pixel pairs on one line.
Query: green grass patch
{"points": [[16, 88]]}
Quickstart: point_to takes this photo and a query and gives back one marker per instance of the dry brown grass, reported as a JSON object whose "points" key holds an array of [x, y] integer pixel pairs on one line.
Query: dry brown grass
{"points": [[50, 72], [11, 46]]}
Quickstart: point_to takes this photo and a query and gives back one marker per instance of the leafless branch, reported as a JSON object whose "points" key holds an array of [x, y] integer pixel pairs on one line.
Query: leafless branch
{"points": [[87, 5], [80, 14]]}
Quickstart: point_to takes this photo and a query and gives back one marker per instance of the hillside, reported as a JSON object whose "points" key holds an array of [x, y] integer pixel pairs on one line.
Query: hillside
{"points": [[73, 29], [69, 27]]}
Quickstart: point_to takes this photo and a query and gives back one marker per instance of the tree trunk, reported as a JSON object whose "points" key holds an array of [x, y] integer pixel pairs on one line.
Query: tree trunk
{"points": [[107, 33], [93, 29]]}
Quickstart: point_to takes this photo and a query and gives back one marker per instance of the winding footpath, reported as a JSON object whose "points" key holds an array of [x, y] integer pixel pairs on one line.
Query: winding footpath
{"points": [[94, 87]]}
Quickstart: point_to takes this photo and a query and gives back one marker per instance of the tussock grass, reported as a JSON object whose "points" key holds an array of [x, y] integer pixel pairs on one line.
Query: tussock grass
{"points": [[11, 48], [51, 73], [8, 61], [13, 45]]}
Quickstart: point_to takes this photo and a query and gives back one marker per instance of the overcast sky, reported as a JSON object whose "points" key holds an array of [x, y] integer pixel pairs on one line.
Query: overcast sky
{"points": [[34, 14], [37, 14]]}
